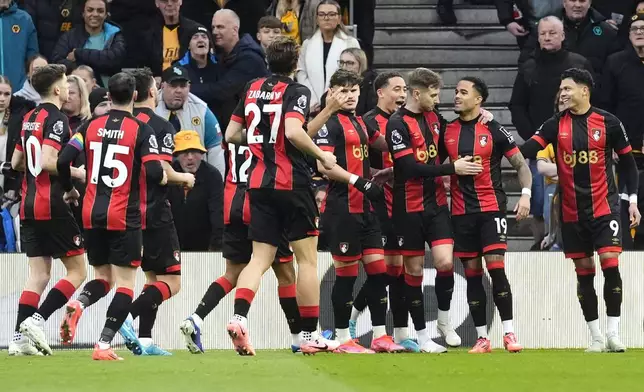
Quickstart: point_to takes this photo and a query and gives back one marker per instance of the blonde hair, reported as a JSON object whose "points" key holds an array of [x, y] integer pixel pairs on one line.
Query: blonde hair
{"points": [[85, 112], [285, 5], [360, 57], [340, 26]]}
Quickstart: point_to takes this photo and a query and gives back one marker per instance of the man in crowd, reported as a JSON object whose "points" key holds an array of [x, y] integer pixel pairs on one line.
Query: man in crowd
{"points": [[99, 102], [52, 19], [18, 40], [533, 94], [197, 212], [185, 111], [249, 12], [199, 59], [240, 60], [585, 139]]}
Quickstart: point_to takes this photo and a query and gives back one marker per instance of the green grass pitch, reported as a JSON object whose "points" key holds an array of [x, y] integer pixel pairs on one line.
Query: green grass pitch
{"points": [[532, 370]]}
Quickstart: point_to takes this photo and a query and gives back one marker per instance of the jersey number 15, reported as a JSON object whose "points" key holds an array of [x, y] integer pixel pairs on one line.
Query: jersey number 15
{"points": [[110, 163]]}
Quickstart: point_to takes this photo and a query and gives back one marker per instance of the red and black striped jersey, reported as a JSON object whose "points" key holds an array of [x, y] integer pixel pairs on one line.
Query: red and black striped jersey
{"points": [[377, 119], [236, 206], [584, 146], [263, 109], [115, 145], [155, 207], [42, 194], [415, 134], [486, 144], [348, 138]]}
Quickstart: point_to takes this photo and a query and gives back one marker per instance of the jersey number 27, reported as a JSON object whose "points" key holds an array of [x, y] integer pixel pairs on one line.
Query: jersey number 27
{"points": [[275, 109]]}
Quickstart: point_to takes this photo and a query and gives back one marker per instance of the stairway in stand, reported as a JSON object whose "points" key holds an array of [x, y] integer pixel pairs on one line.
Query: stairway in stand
{"points": [[409, 35]]}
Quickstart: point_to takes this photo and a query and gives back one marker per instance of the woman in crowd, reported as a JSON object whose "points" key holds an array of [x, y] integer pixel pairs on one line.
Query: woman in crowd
{"points": [[27, 91], [98, 44], [355, 60], [77, 106], [320, 54], [12, 110]]}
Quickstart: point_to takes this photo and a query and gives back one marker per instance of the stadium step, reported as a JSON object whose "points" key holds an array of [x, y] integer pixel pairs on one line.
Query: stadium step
{"points": [[433, 56], [499, 76], [425, 14], [444, 35]]}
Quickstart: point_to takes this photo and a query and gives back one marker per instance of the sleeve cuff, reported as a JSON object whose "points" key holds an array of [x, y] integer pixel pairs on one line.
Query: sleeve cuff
{"points": [[508, 154], [625, 150], [403, 153], [540, 140], [295, 115], [237, 119], [52, 143], [150, 157], [374, 137], [327, 148]]}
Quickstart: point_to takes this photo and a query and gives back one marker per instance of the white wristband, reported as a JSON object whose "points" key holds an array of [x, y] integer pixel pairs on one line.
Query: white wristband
{"points": [[633, 199], [527, 192], [353, 179]]}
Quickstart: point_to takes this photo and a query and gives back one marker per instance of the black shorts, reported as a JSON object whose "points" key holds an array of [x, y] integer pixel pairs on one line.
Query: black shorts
{"points": [[581, 239], [59, 237], [237, 248], [387, 229], [414, 229], [119, 248], [161, 253], [351, 236], [275, 214], [479, 234]]}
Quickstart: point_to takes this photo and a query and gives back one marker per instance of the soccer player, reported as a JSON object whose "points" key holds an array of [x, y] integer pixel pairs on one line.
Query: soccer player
{"points": [[390, 87], [479, 206], [347, 209], [273, 110], [161, 255], [117, 148], [419, 210], [47, 226], [584, 139]]}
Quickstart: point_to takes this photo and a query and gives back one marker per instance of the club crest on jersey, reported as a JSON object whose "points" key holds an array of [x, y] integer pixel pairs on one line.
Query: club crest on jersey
{"points": [[301, 101], [483, 140], [58, 127], [323, 132], [177, 255], [401, 240], [344, 247], [395, 137], [153, 142], [384, 240], [77, 240], [597, 134], [167, 141]]}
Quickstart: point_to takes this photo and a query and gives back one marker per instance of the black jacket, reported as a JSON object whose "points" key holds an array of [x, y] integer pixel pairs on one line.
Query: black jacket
{"points": [[505, 11], [104, 62], [243, 64], [13, 123], [208, 74], [593, 38], [536, 86], [134, 18], [52, 18], [198, 214], [368, 97], [249, 12], [155, 36], [621, 92]]}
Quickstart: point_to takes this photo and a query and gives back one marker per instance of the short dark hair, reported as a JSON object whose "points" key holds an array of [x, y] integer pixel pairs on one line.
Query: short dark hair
{"points": [[479, 85], [144, 82], [579, 76], [383, 79], [121, 88], [424, 78], [282, 55], [344, 78], [45, 77], [270, 22]]}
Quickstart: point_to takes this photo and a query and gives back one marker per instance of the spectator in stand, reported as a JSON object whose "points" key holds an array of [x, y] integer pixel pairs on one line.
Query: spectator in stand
{"points": [[622, 93], [77, 106], [320, 54], [185, 111], [249, 12], [517, 18], [355, 60], [12, 110], [197, 212], [364, 17], [139, 21], [586, 32], [239, 61], [287, 13], [27, 91], [268, 28], [19, 42], [99, 102], [308, 18], [199, 60], [52, 19], [86, 73], [98, 44], [620, 14], [535, 88]]}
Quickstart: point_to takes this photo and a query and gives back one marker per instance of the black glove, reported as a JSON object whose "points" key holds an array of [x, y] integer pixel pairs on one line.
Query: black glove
{"points": [[7, 170], [372, 191]]}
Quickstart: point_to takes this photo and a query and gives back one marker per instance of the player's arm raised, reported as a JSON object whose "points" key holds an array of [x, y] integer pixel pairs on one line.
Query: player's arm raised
{"points": [[334, 101]]}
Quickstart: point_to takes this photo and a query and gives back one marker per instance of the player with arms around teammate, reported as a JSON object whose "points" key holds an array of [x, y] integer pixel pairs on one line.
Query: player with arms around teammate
{"points": [[479, 206], [117, 148], [347, 209], [584, 139], [47, 226], [420, 211], [161, 255]]}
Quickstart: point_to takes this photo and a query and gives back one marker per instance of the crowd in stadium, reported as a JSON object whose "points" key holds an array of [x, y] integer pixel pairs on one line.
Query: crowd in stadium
{"points": [[200, 73]]}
